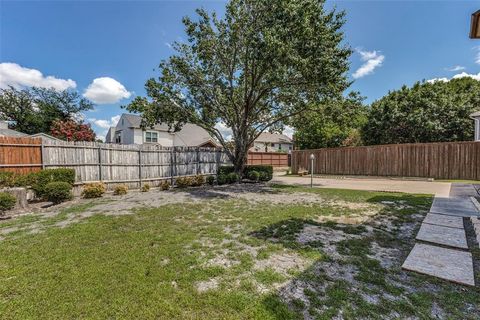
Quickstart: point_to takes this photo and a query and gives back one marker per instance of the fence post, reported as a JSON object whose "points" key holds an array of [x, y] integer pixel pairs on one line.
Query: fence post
{"points": [[100, 175], [140, 166], [171, 166], [217, 156], [197, 167], [42, 150]]}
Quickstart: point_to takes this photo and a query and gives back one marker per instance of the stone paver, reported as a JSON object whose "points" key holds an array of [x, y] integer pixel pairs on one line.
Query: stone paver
{"points": [[444, 220], [462, 207], [452, 237], [448, 264], [462, 190]]}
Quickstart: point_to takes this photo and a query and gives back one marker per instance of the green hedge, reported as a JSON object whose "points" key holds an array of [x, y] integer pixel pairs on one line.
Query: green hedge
{"points": [[58, 191], [7, 202], [52, 175], [265, 171]]}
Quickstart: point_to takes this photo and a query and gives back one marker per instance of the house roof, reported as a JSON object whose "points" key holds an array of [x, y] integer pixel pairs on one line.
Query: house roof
{"points": [[189, 135], [273, 138], [475, 114], [5, 132], [44, 135], [192, 135], [136, 121]]}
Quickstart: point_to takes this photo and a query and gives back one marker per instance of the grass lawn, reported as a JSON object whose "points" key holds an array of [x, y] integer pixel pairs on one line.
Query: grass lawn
{"points": [[225, 253]]}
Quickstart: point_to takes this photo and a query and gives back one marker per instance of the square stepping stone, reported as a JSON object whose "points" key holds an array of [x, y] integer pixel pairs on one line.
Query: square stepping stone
{"points": [[452, 237], [462, 207], [449, 264], [444, 220]]}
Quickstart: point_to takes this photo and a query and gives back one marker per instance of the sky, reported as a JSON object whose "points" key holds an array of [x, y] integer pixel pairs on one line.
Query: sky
{"points": [[106, 50]]}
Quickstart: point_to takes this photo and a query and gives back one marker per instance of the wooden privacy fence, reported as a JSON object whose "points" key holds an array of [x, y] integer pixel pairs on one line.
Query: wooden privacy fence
{"points": [[450, 160], [20, 155], [112, 163], [268, 158]]}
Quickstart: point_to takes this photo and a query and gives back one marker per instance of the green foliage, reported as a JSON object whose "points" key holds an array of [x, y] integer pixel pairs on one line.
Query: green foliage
{"points": [[222, 179], [120, 190], [211, 180], [252, 68], [264, 170], [26, 180], [165, 185], [7, 202], [233, 177], [7, 179], [224, 170], [334, 123], [34, 110], [52, 175], [58, 191], [94, 190], [145, 187], [426, 112], [253, 175]]}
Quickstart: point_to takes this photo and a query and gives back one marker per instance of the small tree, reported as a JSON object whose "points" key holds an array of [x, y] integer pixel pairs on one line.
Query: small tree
{"points": [[254, 69], [33, 110], [71, 130]]}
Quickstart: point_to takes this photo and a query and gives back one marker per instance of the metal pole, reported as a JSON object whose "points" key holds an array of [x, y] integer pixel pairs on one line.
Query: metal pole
{"points": [[312, 157], [43, 154]]}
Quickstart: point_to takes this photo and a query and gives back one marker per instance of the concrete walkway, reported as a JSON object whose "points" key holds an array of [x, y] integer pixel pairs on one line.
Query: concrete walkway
{"points": [[442, 249], [440, 189]]}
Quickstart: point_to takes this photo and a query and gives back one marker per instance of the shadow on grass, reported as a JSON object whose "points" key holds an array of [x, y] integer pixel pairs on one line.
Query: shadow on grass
{"points": [[357, 281]]}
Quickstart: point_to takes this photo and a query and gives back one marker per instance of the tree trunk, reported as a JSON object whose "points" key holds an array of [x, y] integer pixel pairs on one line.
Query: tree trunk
{"points": [[240, 159]]}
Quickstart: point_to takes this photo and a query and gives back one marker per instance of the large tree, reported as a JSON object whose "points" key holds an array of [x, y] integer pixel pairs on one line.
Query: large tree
{"points": [[426, 112], [261, 64], [33, 110], [334, 123]]}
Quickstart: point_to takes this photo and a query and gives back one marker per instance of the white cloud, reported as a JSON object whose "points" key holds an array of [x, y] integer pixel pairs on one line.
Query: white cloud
{"points": [[105, 124], [224, 130], [12, 74], [456, 68], [288, 131], [373, 60], [477, 57], [106, 90], [457, 76]]}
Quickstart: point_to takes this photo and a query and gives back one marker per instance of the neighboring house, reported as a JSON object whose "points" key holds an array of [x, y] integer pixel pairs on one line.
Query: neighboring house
{"points": [[129, 131], [44, 137], [476, 117], [5, 132], [272, 142]]}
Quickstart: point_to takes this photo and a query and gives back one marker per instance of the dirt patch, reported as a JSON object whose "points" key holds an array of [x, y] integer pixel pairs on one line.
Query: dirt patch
{"points": [[204, 286], [282, 263]]}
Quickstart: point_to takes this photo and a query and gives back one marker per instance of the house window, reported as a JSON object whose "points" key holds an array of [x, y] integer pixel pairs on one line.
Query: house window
{"points": [[118, 137], [151, 137]]}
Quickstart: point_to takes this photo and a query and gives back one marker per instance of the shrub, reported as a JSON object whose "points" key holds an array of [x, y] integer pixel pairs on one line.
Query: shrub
{"points": [[26, 180], [120, 190], [165, 185], [183, 182], [7, 202], [221, 179], [58, 192], [93, 190], [145, 187], [253, 175], [52, 175], [226, 170], [232, 177], [268, 171], [7, 179], [263, 176], [210, 180], [198, 180]]}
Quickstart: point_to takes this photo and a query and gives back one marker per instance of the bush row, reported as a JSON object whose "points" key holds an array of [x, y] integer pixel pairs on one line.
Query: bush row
{"points": [[7, 202], [226, 174], [37, 180]]}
